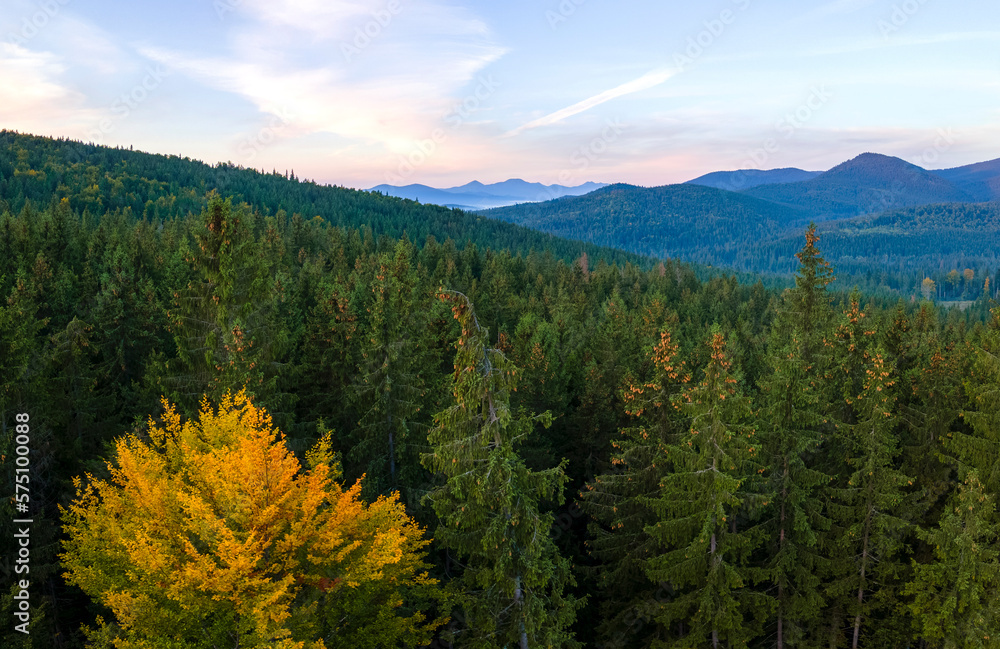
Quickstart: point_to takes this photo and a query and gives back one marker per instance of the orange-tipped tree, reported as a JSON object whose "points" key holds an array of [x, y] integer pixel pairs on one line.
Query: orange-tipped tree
{"points": [[209, 533]]}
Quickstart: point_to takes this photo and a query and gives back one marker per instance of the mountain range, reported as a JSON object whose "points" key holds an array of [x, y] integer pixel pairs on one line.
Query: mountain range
{"points": [[477, 196], [930, 218]]}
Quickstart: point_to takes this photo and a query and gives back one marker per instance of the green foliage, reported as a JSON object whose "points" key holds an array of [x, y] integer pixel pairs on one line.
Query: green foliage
{"points": [[867, 508], [122, 273], [621, 502], [513, 581], [705, 507], [955, 601], [792, 423]]}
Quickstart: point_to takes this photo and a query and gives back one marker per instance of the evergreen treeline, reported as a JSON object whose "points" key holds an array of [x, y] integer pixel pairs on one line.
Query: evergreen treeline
{"points": [[97, 179], [606, 455]]}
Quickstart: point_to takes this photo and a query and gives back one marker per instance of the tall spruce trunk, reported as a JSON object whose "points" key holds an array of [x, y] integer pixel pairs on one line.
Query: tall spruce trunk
{"points": [[864, 568], [715, 632], [517, 598]]}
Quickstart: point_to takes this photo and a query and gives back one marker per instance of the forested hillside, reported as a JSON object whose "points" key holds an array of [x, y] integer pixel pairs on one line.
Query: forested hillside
{"points": [[889, 253], [96, 180], [868, 183], [696, 223], [981, 180], [250, 427], [953, 245]]}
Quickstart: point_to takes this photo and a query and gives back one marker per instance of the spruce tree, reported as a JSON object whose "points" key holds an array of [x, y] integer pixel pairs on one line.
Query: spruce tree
{"points": [[979, 449], [866, 510], [792, 420], [955, 595], [620, 501], [513, 583], [224, 321], [705, 519], [388, 387]]}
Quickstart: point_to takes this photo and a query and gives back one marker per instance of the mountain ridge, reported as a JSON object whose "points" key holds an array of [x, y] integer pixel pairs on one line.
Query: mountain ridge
{"points": [[476, 195], [868, 183], [741, 179]]}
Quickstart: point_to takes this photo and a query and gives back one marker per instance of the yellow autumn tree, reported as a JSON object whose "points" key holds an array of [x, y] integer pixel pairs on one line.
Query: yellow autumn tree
{"points": [[209, 533]]}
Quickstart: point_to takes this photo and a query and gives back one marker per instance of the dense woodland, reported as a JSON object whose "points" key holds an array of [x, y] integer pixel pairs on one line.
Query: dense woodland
{"points": [[893, 226], [478, 447]]}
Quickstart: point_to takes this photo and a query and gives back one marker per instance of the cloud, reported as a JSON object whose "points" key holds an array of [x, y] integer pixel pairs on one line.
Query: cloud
{"points": [[374, 72], [645, 82], [32, 96]]}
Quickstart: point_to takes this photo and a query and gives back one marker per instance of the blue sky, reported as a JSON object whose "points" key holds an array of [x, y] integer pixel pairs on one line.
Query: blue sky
{"points": [[441, 92]]}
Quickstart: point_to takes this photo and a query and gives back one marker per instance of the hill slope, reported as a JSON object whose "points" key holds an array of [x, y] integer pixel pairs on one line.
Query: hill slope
{"points": [[981, 180], [896, 250], [693, 222], [866, 184], [97, 179]]}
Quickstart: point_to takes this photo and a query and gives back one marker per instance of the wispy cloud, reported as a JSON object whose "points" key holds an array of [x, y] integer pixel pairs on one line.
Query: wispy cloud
{"points": [[33, 96], [392, 93], [645, 82]]}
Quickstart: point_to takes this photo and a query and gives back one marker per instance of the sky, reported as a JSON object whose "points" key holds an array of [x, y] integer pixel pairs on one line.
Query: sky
{"points": [[650, 92]]}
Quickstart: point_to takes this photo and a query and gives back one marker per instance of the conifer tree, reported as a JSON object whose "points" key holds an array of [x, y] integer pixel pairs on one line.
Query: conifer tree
{"points": [[513, 581], [223, 321], [388, 387], [955, 595], [980, 448], [329, 354], [620, 501], [704, 510], [807, 306], [791, 423], [866, 510]]}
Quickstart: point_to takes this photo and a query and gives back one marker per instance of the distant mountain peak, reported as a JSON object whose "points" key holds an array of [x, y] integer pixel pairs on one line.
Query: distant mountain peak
{"points": [[476, 195], [869, 160], [868, 183]]}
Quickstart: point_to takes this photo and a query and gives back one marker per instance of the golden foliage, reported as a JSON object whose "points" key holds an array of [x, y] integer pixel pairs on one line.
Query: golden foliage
{"points": [[212, 530]]}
